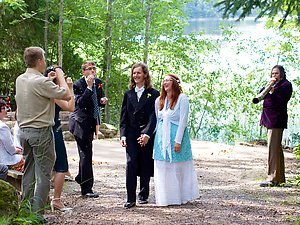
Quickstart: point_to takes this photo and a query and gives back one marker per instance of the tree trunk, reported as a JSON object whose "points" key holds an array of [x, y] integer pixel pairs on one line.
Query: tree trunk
{"points": [[46, 29], [60, 52], [108, 55], [147, 31]]}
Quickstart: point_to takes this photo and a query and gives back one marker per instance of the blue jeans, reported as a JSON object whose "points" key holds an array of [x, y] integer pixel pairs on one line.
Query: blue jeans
{"points": [[38, 148]]}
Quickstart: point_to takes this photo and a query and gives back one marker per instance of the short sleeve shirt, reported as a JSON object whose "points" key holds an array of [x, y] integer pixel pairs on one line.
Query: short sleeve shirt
{"points": [[35, 96]]}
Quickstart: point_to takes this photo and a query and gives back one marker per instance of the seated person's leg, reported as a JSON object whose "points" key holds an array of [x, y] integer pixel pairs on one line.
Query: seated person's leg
{"points": [[3, 172]]}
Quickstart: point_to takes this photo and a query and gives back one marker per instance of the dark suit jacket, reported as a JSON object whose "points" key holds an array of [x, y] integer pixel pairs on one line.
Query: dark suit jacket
{"points": [[82, 122], [138, 117], [274, 113]]}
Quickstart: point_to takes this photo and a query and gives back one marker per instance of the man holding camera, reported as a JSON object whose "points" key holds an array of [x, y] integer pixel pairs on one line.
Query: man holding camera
{"points": [[35, 96], [82, 124]]}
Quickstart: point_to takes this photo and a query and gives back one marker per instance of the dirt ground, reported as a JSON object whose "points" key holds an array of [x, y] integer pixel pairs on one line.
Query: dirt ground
{"points": [[228, 177]]}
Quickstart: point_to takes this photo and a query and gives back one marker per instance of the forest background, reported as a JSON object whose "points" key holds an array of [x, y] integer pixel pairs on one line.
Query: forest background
{"points": [[118, 33]]}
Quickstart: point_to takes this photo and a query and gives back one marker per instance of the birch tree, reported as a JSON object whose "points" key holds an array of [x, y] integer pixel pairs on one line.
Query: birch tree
{"points": [[147, 31], [60, 33], [108, 54]]}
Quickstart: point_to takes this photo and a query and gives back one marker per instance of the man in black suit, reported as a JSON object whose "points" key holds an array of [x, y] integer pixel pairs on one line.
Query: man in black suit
{"points": [[137, 126], [82, 124]]}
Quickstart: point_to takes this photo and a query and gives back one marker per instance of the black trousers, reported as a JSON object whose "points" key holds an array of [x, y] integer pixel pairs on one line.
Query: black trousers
{"points": [[139, 163], [85, 175]]}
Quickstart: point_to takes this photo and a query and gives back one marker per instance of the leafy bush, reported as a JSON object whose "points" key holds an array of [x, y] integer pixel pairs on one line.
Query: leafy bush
{"points": [[296, 150], [296, 180], [25, 216]]}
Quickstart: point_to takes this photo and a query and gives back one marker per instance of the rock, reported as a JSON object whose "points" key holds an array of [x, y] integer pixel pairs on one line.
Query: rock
{"points": [[64, 125], [64, 120], [100, 135], [253, 143], [8, 199], [105, 130], [64, 115], [68, 136], [108, 130], [108, 126]]}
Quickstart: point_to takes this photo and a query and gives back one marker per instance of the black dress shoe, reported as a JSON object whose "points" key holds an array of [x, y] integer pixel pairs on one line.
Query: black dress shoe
{"points": [[269, 184], [129, 205], [90, 195], [143, 201]]}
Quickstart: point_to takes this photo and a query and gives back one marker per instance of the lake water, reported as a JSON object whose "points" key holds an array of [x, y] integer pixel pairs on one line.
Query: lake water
{"points": [[211, 26]]}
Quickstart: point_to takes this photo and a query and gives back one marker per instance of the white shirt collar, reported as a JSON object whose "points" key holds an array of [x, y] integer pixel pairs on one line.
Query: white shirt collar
{"points": [[137, 89], [139, 92]]}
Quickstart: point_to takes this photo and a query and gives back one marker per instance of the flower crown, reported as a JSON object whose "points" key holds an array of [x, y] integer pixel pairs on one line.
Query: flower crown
{"points": [[173, 78]]}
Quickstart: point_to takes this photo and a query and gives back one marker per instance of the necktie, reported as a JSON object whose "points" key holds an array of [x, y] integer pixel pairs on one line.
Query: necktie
{"points": [[95, 103]]}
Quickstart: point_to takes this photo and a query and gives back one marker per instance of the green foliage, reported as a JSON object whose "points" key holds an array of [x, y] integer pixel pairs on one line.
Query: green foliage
{"points": [[6, 220], [296, 150], [271, 9], [16, 33], [25, 216]]}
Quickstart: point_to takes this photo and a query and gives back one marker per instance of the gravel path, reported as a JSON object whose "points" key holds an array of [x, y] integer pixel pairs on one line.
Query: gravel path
{"points": [[228, 178]]}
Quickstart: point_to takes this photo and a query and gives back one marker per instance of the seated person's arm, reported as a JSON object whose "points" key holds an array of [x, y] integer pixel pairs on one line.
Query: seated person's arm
{"points": [[7, 140]]}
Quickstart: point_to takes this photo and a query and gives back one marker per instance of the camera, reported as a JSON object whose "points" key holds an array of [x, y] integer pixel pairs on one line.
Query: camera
{"points": [[50, 69]]}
